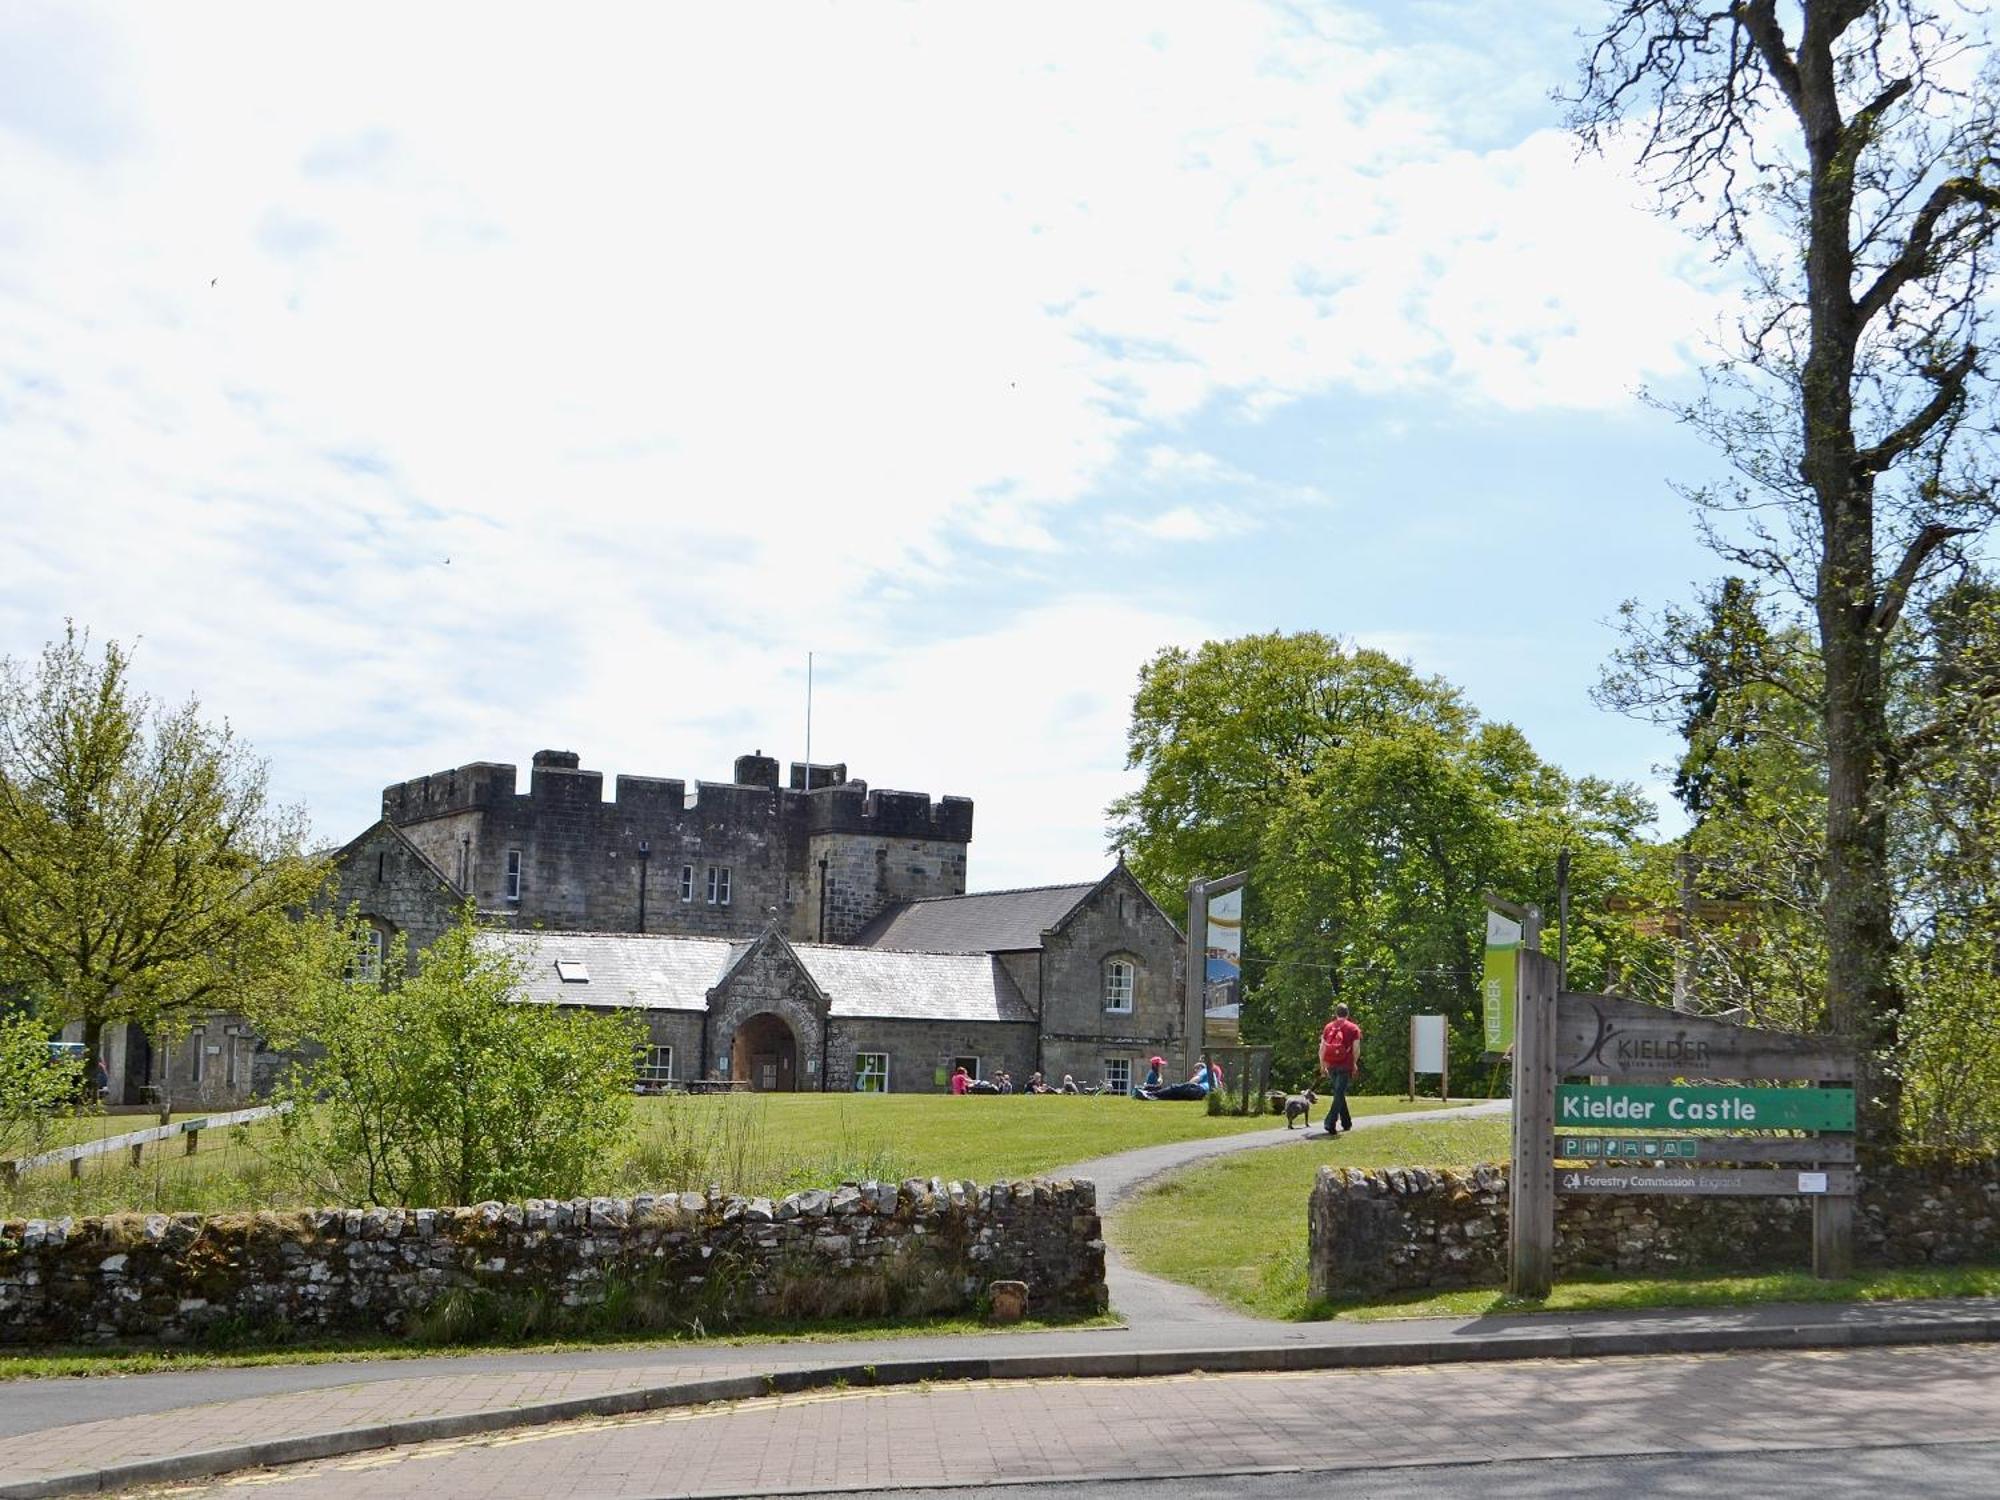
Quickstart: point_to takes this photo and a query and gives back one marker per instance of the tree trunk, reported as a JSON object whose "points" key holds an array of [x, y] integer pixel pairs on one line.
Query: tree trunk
{"points": [[1860, 996], [98, 1073]]}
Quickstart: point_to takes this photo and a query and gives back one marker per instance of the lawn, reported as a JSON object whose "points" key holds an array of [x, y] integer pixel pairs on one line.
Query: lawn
{"points": [[765, 1144], [1236, 1228]]}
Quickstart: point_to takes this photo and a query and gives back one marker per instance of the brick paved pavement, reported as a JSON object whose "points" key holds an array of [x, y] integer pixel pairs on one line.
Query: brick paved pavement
{"points": [[1014, 1430]]}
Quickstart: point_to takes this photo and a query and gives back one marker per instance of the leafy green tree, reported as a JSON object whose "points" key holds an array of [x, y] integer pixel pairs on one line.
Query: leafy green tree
{"points": [[1843, 154], [1372, 809], [437, 1084], [144, 873], [36, 1089]]}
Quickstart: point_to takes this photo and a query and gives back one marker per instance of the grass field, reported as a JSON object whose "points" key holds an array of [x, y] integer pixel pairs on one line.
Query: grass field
{"points": [[1236, 1228], [765, 1144]]}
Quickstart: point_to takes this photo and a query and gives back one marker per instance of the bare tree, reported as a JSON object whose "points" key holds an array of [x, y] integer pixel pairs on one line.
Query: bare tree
{"points": [[1843, 154]]}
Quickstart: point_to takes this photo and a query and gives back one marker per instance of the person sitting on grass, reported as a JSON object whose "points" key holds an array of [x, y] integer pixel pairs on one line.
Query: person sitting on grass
{"points": [[1069, 1085], [1037, 1085], [960, 1080]]}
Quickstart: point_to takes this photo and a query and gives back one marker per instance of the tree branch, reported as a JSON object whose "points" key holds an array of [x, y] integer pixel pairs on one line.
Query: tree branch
{"points": [[1915, 254], [1760, 19], [1894, 595], [1950, 388]]}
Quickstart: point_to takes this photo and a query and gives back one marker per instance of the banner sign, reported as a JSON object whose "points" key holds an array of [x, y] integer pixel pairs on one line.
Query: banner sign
{"points": [[1223, 951], [1690, 1108], [1503, 942]]}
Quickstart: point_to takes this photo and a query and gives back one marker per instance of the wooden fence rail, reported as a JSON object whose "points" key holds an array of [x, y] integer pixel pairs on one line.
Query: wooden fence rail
{"points": [[136, 1142]]}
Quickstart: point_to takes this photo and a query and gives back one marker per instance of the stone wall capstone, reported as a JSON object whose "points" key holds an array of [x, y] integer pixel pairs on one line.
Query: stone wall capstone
{"points": [[1411, 1228], [872, 1249]]}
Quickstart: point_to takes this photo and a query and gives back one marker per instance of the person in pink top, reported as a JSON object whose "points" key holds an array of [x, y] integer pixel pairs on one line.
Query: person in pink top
{"points": [[959, 1080]]}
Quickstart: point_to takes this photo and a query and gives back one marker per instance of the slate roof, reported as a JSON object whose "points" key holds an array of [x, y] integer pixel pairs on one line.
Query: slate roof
{"points": [[653, 972], [984, 922], [627, 969], [890, 985]]}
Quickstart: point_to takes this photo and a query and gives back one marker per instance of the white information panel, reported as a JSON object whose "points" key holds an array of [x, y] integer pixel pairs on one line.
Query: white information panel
{"points": [[1427, 1044]]}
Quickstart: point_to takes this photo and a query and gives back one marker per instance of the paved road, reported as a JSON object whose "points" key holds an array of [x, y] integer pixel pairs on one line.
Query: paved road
{"points": [[1850, 1422], [1950, 1471], [1176, 1314]]}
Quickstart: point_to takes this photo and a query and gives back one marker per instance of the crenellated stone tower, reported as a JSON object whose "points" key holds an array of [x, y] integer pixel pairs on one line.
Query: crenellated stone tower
{"points": [[821, 854]]}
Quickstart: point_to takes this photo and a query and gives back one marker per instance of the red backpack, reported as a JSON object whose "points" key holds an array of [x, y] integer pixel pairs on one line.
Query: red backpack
{"points": [[1336, 1045]]}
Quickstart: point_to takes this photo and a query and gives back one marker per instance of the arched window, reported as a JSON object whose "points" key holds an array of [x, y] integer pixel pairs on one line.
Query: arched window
{"points": [[1119, 974]]}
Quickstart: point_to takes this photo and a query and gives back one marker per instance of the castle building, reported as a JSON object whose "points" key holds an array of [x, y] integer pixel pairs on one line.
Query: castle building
{"points": [[822, 856], [813, 935]]}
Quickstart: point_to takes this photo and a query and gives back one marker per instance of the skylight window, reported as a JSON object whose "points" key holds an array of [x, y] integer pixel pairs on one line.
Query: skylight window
{"points": [[572, 971]]}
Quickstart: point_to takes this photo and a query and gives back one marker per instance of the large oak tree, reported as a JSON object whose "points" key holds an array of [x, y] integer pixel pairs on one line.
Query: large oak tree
{"points": [[1843, 154]]}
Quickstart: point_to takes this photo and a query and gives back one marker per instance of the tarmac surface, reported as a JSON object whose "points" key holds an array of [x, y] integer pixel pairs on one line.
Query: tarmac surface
{"points": [[1781, 1408], [188, 1425]]}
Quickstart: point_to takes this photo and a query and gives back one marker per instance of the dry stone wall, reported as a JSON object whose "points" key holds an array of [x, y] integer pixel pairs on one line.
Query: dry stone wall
{"points": [[1408, 1228], [864, 1249]]}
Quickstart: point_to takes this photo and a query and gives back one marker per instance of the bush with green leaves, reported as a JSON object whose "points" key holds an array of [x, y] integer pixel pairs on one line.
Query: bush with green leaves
{"points": [[36, 1089], [428, 1081]]}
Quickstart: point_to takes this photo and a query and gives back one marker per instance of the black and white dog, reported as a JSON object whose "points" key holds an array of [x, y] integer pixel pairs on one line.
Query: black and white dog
{"points": [[1297, 1105]]}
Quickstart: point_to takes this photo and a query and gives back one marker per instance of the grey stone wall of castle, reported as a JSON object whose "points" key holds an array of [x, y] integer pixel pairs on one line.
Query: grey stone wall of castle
{"points": [[864, 1249], [1405, 1229], [718, 863]]}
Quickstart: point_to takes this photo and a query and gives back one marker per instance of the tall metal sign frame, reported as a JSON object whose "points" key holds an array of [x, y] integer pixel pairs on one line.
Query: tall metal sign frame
{"points": [[1655, 1070]]}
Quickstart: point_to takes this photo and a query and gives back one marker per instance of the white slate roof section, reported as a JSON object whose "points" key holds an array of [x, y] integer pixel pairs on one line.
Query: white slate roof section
{"points": [[890, 985], [654, 972], [628, 970]]}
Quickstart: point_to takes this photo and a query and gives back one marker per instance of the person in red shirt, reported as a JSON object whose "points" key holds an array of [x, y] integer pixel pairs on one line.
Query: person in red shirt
{"points": [[1340, 1055], [959, 1081]]}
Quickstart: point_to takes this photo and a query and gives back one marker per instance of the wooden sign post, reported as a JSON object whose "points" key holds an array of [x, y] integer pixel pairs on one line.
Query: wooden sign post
{"points": [[1641, 1060]]}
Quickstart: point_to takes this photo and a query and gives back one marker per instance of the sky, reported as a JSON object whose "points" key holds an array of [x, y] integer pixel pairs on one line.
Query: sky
{"points": [[426, 384]]}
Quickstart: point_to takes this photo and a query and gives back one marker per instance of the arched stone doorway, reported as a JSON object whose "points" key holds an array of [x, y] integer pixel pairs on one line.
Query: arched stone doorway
{"points": [[765, 1055]]}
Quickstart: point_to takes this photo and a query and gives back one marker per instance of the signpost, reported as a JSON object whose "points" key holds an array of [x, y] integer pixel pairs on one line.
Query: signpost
{"points": [[1429, 1053], [1643, 1059]]}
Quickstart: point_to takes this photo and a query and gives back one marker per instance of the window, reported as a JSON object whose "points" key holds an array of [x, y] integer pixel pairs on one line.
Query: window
{"points": [[1118, 1074], [229, 1056], [513, 874], [687, 882], [718, 885], [970, 1064], [572, 971], [656, 1066], [1118, 984], [367, 967], [871, 1072], [196, 1039]]}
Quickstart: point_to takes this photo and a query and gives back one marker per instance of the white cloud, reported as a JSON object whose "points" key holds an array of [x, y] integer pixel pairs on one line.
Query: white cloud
{"points": [[693, 342]]}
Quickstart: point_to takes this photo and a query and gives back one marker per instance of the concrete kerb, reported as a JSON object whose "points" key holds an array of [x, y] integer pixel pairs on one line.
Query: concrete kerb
{"points": [[1563, 1343]]}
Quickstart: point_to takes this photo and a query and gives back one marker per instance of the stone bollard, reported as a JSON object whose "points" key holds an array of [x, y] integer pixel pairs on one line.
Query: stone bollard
{"points": [[1009, 1300]]}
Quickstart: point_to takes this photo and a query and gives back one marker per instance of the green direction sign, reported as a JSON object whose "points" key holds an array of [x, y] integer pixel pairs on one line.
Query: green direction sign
{"points": [[1583, 1106], [1627, 1147]]}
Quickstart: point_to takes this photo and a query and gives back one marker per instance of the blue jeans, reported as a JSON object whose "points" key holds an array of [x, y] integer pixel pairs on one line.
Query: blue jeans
{"points": [[1337, 1106]]}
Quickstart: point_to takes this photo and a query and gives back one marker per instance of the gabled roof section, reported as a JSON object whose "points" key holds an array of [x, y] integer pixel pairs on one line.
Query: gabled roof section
{"points": [[628, 970], [424, 861], [983, 922], [1119, 875], [740, 954], [883, 984]]}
